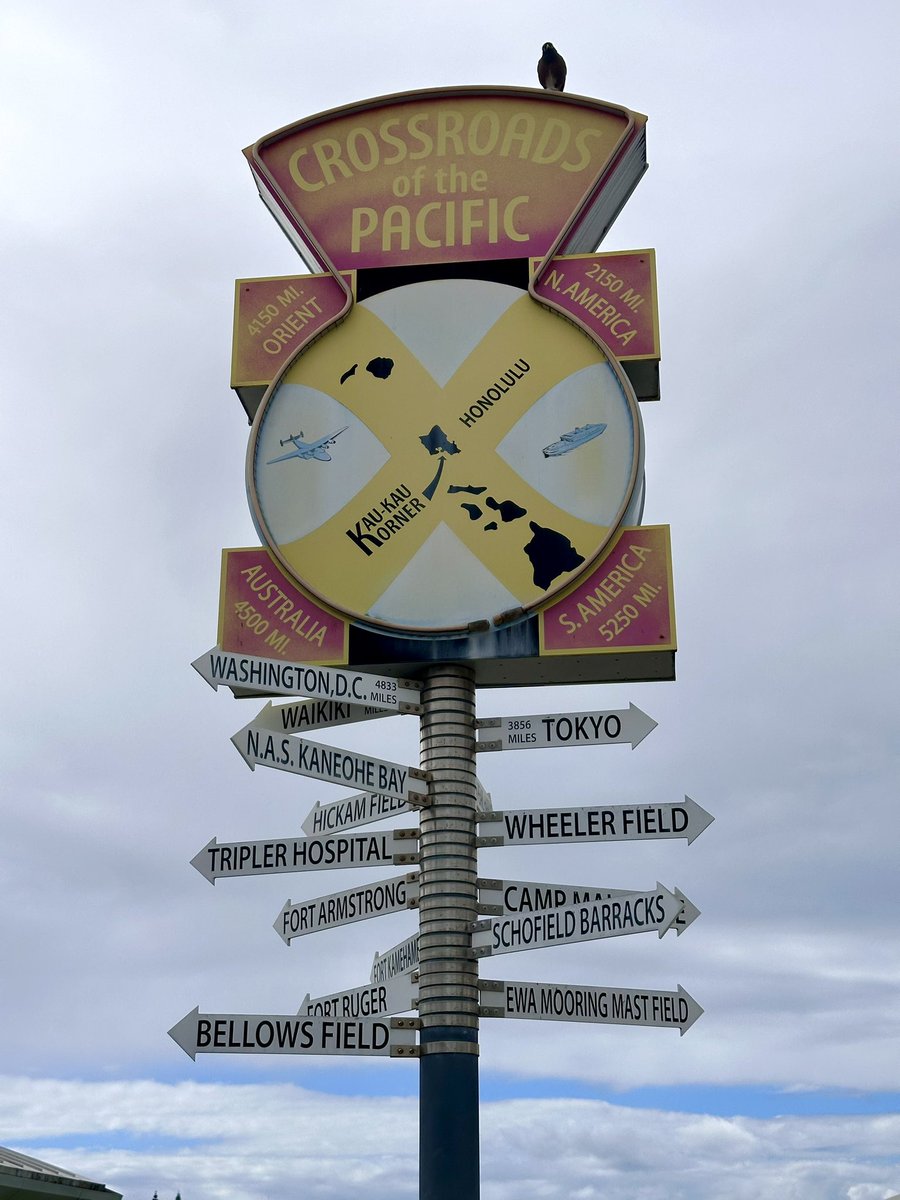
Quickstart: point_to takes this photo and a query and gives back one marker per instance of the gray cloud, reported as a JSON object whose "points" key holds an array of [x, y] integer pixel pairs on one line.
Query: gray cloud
{"points": [[253, 1141]]}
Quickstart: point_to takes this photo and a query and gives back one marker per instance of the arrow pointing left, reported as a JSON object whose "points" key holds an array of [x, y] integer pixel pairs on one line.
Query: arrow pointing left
{"points": [[396, 995], [345, 767], [259, 1033], [343, 908], [225, 859], [402, 959], [314, 714], [273, 677]]}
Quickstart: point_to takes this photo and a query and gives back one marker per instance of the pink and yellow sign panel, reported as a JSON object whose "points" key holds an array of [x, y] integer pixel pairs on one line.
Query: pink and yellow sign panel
{"points": [[430, 177], [274, 317], [625, 604], [624, 607], [612, 296], [263, 613]]}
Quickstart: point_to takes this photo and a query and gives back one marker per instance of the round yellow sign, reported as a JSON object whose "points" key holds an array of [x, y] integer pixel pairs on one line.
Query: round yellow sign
{"points": [[450, 453]]}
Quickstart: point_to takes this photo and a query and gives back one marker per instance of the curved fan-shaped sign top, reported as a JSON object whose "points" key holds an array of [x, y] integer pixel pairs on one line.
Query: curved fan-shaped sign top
{"points": [[450, 175]]}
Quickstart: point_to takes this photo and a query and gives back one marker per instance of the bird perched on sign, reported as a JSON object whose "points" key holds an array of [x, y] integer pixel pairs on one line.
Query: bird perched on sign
{"points": [[551, 69]]}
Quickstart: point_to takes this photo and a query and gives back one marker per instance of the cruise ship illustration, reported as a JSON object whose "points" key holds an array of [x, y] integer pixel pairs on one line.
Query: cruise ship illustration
{"points": [[573, 439]]}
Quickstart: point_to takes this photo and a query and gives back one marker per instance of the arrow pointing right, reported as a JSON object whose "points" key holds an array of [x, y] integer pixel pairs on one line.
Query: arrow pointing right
{"points": [[509, 897], [598, 823], [688, 915], [598, 1005], [628, 726], [634, 912]]}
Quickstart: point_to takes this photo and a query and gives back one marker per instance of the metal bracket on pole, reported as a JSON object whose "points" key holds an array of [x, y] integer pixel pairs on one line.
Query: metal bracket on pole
{"points": [[490, 897], [408, 858], [405, 706], [488, 723], [403, 1037]]}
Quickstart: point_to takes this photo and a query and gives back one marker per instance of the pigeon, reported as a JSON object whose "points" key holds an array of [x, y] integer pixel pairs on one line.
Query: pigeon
{"points": [[551, 69]]}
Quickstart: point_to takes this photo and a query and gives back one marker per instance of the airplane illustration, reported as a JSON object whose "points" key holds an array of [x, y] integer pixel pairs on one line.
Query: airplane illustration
{"points": [[303, 449]]}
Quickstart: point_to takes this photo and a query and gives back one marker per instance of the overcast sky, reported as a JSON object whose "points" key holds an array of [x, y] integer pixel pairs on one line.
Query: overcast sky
{"points": [[127, 212]]}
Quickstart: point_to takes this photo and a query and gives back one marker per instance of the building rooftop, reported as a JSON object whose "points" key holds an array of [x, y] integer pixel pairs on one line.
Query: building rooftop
{"points": [[26, 1178]]}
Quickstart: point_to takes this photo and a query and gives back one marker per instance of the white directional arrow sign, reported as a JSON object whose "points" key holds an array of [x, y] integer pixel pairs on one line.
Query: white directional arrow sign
{"points": [[300, 757], [402, 959], [397, 995], [598, 1005], [343, 908], [352, 811], [366, 807], [609, 728], [599, 823], [219, 860], [509, 897], [688, 915], [314, 714], [634, 912], [238, 1033], [270, 675]]}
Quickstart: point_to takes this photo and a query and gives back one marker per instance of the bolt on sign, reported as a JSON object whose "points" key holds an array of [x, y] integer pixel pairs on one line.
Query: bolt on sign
{"points": [[439, 468]]}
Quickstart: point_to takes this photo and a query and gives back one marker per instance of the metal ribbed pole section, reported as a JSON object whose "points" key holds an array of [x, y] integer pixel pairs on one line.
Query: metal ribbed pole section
{"points": [[448, 972]]}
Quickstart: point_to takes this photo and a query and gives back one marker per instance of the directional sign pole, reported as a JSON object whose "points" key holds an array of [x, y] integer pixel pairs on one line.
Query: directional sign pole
{"points": [[448, 972]]}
